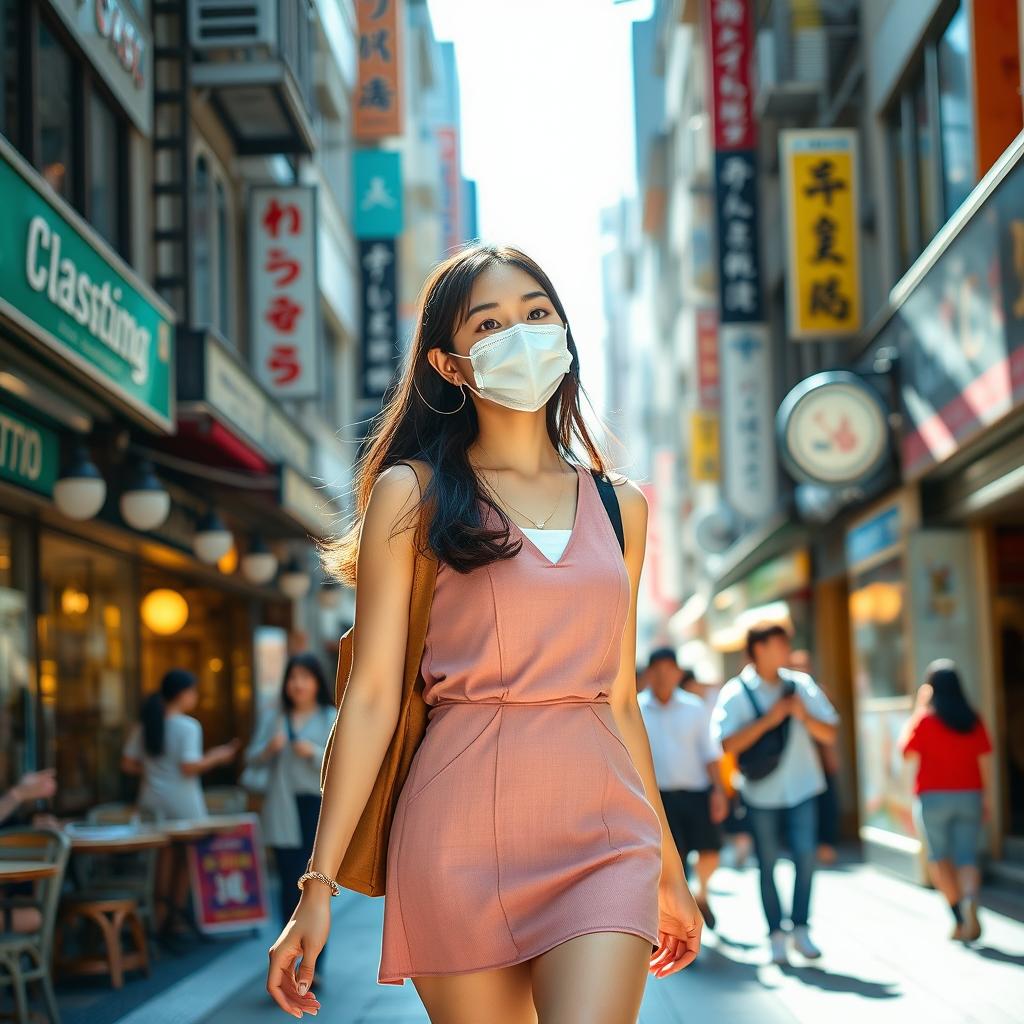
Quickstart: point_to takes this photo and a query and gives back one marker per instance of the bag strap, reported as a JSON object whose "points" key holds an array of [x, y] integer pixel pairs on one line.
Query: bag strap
{"points": [[610, 500], [750, 693]]}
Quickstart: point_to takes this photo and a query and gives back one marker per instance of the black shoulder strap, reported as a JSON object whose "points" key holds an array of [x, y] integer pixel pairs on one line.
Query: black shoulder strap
{"points": [[750, 693], [610, 500]]}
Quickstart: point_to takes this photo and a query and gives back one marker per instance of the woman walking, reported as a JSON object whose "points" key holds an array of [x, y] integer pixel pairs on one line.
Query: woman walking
{"points": [[291, 741], [951, 745], [531, 870]]}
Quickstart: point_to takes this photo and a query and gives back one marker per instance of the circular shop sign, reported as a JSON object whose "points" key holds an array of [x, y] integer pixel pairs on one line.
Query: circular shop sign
{"points": [[833, 429]]}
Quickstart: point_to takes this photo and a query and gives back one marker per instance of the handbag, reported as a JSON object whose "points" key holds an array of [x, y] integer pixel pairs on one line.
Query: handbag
{"points": [[760, 759], [364, 866]]}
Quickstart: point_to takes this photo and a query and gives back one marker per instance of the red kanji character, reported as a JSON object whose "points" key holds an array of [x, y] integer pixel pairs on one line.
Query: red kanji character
{"points": [[276, 213], [283, 313], [279, 262], [284, 364]]}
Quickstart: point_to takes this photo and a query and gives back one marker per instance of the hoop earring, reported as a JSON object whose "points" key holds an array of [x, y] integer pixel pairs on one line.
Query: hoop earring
{"points": [[441, 412]]}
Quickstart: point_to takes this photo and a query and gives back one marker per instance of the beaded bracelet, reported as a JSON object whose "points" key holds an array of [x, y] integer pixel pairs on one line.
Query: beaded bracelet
{"points": [[320, 877]]}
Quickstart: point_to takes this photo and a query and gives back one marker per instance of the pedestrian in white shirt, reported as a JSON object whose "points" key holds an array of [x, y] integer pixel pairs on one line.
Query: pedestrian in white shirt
{"points": [[686, 760], [769, 717]]}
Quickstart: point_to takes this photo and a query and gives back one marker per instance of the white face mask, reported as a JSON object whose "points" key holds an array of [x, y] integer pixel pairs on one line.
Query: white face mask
{"points": [[520, 367]]}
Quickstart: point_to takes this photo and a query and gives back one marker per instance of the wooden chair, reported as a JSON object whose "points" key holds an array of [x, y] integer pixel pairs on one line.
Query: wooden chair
{"points": [[226, 799], [110, 912], [131, 873], [25, 957]]}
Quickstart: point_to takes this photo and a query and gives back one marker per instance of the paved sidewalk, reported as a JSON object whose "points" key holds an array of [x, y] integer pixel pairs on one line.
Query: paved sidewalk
{"points": [[887, 955]]}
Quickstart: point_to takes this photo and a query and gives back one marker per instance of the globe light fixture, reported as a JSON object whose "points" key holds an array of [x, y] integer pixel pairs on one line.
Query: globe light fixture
{"points": [[146, 503], [80, 491], [212, 540], [164, 611], [259, 563], [295, 579]]}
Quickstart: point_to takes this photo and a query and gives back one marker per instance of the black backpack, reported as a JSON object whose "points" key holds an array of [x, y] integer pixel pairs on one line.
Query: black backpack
{"points": [[761, 759]]}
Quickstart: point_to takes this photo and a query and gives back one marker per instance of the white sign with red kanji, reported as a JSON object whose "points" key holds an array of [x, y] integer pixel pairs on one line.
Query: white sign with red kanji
{"points": [[283, 289]]}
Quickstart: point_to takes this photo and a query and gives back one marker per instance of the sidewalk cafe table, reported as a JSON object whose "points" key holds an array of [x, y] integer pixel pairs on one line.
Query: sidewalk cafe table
{"points": [[25, 870]]}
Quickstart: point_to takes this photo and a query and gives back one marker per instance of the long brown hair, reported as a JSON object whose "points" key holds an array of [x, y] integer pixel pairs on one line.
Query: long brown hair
{"points": [[406, 428]]}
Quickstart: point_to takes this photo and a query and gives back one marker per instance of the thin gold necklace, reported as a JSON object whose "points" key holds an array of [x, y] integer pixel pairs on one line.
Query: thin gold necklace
{"points": [[504, 501]]}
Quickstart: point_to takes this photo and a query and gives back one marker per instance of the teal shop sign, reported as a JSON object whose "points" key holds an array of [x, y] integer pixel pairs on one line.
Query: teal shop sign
{"points": [[64, 288], [29, 453], [377, 193]]}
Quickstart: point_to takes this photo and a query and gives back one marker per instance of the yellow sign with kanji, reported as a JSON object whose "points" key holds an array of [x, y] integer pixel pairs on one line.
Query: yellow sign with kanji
{"points": [[704, 447], [819, 171]]}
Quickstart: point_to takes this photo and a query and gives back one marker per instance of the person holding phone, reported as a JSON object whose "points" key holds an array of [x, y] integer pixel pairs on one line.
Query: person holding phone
{"points": [[769, 717]]}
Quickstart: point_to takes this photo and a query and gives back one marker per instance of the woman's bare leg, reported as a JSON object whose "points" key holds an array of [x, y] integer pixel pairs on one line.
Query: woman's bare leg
{"points": [[592, 979], [483, 997]]}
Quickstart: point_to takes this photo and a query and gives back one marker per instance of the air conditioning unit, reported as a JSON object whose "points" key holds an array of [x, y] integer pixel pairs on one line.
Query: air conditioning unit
{"points": [[220, 24]]}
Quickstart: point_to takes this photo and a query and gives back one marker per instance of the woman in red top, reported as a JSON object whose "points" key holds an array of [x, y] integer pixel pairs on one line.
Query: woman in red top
{"points": [[950, 742]]}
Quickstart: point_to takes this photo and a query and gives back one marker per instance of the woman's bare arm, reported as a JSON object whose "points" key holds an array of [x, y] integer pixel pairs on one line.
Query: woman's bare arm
{"points": [[369, 712], [623, 697]]}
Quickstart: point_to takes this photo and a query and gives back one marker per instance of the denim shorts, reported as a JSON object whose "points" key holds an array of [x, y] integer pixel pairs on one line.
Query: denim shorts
{"points": [[950, 821]]}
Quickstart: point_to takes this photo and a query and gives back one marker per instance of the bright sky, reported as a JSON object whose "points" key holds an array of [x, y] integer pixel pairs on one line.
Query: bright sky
{"points": [[547, 132]]}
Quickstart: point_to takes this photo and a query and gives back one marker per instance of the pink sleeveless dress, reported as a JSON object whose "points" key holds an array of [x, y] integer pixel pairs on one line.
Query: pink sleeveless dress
{"points": [[523, 821]]}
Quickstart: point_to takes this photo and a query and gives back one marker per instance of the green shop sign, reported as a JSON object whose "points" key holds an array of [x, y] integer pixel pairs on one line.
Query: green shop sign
{"points": [[29, 453], [63, 287]]}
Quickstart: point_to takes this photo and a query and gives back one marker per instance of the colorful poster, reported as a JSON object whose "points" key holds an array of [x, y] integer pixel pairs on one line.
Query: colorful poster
{"points": [[819, 171], [228, 878], [377, 192], [283, 288], [378, 98]]}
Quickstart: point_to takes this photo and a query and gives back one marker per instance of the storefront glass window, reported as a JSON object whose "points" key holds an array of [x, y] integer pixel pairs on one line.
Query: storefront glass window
{"points": [[87, 669], [15, 672], [956, 122], [876, 614], [104, 169], [924, 144], [898, 155], [55, 107]]}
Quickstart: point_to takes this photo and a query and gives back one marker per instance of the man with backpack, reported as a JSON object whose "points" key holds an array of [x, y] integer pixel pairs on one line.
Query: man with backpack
{"points": [[769, 717]]}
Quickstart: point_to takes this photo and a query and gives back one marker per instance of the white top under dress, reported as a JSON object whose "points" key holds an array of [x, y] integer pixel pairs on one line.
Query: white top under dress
{"points": [[551, 543]]}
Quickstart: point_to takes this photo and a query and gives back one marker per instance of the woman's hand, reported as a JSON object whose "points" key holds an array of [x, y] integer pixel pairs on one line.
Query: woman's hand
{"points": [[679, 928], [275, 746], [303, 748], [39, 785], [225, 753], [304, 936]]}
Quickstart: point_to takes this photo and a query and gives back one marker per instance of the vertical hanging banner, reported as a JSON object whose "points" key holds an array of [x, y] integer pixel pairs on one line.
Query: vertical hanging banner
{"points": [[451, 187], [744, 341], [704, 460], [819, 172], [739, 264], [378, 100], [377, 193], [748, 440], [283, 287], [708, 380], [379, 300]]}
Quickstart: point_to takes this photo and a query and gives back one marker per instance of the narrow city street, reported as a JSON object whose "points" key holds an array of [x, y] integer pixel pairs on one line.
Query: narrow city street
{"points": [[887, 957]]}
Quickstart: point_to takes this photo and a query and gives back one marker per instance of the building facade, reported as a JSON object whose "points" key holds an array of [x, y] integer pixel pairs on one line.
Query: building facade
{"points": [[854, 166], [182, 351]]}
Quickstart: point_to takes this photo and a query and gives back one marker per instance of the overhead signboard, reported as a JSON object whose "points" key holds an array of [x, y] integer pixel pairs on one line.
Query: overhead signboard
{"points": [[378, 99]]}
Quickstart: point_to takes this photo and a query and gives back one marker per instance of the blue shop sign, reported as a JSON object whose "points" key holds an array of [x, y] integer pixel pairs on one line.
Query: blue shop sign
{"points": [[870, 538], [377, 193]]}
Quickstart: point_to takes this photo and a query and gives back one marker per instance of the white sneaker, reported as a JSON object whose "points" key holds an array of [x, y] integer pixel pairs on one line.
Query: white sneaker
{"points": [[803, 945], [778, 942]]}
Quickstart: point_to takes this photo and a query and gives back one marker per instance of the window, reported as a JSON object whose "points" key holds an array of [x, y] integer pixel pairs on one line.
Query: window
{"points": [[105, 176], [211, 246], [72, 132], [10, 69], [931, 139], [956, 118], [55, 112]]}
